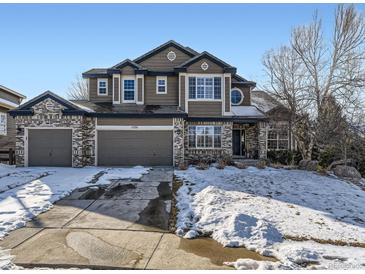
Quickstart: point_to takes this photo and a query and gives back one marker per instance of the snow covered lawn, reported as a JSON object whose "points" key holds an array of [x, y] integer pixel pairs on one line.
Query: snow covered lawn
{"points": [[301, 218], [27, 192]]}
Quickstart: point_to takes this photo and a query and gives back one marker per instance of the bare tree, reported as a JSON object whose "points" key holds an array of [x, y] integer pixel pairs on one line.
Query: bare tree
{"points": [[78, 89], [312, 70]]}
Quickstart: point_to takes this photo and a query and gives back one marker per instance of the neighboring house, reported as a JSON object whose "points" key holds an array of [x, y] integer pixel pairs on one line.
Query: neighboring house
{"points": [[9, 99], [279, 132], [170, 105]]}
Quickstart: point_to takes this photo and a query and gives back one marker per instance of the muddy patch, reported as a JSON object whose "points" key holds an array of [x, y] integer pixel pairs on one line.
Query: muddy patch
{"points": [[117, 190], [157, 212], [216, 253]]}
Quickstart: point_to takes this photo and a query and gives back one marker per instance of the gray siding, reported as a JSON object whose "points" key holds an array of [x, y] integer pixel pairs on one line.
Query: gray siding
{"points": [[205, 109], [196, 67], [128, 70], [135, 122], [93, 91], [161, 63], [140, 89], [227, 94], [182, 92], [116, 88], [10, 97], [152, 98]]}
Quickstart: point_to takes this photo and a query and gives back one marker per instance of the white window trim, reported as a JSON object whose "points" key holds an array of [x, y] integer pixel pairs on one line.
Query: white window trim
{"points": [[207, 76], [135, 93], [277, 139], [5, 132], [242, 97], [106, 86], [196, 138], [157, 85]]}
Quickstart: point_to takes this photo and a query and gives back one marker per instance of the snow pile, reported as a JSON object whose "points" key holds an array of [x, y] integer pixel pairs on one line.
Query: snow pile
{"points": [[122, 173], [259, 209], [249, 264], [14, 179]]}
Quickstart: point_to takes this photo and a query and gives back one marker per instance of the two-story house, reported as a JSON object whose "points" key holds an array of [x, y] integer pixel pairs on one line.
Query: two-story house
{"points": [[9, 99], [170, 105]]}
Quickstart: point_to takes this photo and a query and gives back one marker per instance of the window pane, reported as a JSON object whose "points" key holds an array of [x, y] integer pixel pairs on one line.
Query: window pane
{"points": [[283, 134], [208, 88], [283, 144], [129, 90], [272, 134], [208, 140], [209, 130], [217, 130], [200, 130], [217, 88], [192, 88], [217, 141], [236, 96], [272, 144], [161, 88], [192, 129], [200, 141], [102, 90]]}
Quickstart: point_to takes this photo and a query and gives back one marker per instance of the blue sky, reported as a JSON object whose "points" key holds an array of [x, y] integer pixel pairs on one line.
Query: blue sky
{"points": [[43, 47]]}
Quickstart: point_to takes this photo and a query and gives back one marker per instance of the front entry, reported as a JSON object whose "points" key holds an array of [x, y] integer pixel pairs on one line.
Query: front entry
{"points": [[238, 142]]}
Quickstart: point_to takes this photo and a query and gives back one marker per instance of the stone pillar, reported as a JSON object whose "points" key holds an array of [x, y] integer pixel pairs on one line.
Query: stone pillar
{"points": [[178, 140], [227, 139], [262, 140], [89, 145]]}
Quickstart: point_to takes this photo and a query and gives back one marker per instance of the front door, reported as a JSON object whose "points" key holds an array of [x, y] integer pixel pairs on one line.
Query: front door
{"points": [[238, 142]]}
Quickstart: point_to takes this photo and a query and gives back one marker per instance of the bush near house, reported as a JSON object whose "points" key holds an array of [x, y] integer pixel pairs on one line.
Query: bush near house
{"points": [[284, 157]]}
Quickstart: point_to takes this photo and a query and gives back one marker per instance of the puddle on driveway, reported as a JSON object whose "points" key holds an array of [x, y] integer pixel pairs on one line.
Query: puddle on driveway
{"points": [[118, 190], [209, 248]]}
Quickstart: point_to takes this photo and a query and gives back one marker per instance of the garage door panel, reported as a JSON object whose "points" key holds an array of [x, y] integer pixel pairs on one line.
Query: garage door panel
{"points": [[125, 148], [50, 147]]}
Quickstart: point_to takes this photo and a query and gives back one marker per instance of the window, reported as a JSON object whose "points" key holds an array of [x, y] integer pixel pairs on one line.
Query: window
{"points": [[205, 137], [278, 138], [102, 86], [128, 90], [236, 96], [202, 88], [3, 123], [161, 85]]}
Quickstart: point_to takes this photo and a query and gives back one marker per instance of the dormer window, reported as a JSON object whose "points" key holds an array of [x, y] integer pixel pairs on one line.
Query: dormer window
{"points": [[161, 85], [102, 87]]}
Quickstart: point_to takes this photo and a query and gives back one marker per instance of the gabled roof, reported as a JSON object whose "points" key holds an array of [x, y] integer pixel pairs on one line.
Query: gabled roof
{"points": [[264, 101], [170, 43], [207, 55], [12, 92], [26, 107], [126, 62]]}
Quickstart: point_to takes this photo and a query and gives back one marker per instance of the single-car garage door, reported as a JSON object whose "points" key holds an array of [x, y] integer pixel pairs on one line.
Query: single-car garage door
{"points": [[49, 147], [134, 147]]}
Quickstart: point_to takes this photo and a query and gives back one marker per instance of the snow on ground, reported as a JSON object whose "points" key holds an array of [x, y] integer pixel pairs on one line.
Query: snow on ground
{"points": [[261, 209], [31, 191]]}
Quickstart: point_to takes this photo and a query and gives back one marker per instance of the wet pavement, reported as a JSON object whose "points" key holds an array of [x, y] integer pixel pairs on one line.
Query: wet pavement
{"points": [[124, 225]]}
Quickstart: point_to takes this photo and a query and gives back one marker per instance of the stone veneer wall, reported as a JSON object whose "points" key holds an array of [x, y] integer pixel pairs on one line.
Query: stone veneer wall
{"points": [[194, 154], [262, 139], [48, 113], [178, 139]]}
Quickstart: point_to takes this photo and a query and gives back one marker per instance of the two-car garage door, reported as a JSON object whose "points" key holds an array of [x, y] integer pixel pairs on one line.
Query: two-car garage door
{"points": [[134, 147]]}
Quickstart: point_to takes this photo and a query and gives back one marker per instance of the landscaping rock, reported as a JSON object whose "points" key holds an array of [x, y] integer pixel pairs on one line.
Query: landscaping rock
{"points": [[347, 172], [310, 165]]}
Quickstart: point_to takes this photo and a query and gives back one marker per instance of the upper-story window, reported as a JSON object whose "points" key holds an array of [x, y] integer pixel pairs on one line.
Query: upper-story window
{"points": [[161, 85], [205, 88], [128, 90], [3, 123], [102, 86], [236, 96]]}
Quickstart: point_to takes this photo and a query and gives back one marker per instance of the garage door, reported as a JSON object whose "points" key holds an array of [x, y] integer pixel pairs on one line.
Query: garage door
{"points": [[129, 147], [49, 147]]}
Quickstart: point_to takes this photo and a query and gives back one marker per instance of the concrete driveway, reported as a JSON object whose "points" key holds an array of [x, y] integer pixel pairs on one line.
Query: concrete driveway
{"points": [[125, 226]]}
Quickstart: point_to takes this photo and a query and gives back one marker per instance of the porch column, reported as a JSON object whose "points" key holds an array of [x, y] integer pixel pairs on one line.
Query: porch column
{"points": [[262, 138]]}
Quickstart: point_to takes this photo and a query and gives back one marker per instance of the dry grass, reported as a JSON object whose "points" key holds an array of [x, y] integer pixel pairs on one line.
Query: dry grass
{"points": [[202, 165], [261, 164], [183, 166], [221, 164], [322, 241], [240, 165]]}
